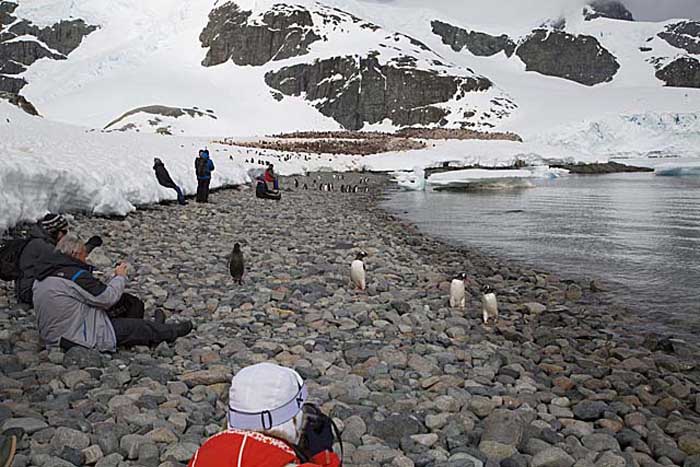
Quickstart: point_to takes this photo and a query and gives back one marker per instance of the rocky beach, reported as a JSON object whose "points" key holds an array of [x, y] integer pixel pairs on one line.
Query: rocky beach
{"points": [[559, 381]]}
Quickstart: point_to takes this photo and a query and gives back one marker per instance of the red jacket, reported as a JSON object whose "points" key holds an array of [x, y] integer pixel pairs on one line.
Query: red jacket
{"points": [[237, 448], [269, 176]]}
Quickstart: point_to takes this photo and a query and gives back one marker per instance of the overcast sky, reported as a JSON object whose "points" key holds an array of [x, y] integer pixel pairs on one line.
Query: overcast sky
{"points": [[656, 10]]}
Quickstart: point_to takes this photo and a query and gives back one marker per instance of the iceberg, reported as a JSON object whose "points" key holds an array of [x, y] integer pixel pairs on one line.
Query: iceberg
{"points": [[678, 170], [485, 179], [413, 181]]}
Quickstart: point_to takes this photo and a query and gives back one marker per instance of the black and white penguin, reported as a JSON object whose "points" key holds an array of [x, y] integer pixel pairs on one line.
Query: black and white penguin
{"points": [[235, 264], [306, 187], [489, 305], [357, 271], [296, 183], [458, 294]]}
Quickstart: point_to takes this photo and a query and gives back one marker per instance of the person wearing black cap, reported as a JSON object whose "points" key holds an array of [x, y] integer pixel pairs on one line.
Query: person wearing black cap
{"points": [[165, 180], [43, 237]]}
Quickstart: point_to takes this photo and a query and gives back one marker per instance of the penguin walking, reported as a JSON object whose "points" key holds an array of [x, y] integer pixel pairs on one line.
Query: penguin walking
{"points": [[296, 183], [236, 264], [357, 271], [489, 305], [306, 187], [457, 293]]}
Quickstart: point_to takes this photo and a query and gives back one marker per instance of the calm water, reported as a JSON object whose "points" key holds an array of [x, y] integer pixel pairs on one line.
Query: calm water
{"points": [[639, 232]]}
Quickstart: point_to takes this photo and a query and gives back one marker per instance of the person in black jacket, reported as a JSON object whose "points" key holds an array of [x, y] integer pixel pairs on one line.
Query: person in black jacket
{"points": [[203, 167], [43, 237], [166, 181]]}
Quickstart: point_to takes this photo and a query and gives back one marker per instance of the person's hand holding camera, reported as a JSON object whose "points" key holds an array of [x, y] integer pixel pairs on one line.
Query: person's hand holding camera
{"points": [[318, 432]]}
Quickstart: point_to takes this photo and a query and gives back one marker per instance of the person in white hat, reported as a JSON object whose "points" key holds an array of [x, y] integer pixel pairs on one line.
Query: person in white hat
{"points": [[267, 426]]}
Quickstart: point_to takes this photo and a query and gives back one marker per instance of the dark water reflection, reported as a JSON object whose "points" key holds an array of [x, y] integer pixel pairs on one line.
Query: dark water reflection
{"points": [[638, 231]]}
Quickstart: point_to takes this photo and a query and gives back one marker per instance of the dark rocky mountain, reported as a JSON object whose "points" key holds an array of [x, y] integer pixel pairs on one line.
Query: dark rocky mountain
{"points": [[577, 58], [683, 72], [17, 52], [399, 78], [478, 43], [612, 9], [365, 91], [684, 35]]}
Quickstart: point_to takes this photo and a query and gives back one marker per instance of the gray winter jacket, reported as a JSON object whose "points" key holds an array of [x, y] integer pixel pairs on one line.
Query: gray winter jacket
{"points": [[72, 304]]}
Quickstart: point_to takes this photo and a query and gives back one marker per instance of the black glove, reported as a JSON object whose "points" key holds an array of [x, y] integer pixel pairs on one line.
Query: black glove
{"points": [[318, 433], [94, 242]]}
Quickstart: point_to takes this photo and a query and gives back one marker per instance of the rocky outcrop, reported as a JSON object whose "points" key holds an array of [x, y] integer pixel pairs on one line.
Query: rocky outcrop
{"points": [[478, 43], [282, 32], [159, 122], [577, 58], [17, 51], [354, 92], [611, 9], [684, 35], [683, 72], [19, 101]]}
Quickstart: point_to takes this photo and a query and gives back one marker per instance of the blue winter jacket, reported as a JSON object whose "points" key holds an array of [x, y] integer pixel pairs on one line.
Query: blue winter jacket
{"points": [[203, 158]]}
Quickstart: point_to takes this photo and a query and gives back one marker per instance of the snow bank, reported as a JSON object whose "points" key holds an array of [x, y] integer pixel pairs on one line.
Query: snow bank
{"points": [[48, 166], [499, 178]]}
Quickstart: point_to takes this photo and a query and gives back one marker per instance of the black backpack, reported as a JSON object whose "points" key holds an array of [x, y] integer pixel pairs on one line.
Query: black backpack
{"points": [[201, 167], [9, 258]]}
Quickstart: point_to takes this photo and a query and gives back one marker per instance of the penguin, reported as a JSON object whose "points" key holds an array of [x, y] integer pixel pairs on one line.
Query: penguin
{"points": [[236, 265], [357, 271], [457, 292], [296, 183], [306, 187], [489, 305]]}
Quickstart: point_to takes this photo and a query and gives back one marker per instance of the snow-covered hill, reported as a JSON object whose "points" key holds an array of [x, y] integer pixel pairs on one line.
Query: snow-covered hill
{"points": [[126, 80]]}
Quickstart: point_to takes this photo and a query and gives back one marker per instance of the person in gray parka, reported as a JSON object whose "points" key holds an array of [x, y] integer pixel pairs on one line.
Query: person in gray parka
{"points": [[71, 305]]}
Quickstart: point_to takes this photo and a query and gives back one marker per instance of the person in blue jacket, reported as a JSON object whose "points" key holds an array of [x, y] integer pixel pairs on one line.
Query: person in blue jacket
{"points": [[203, 167]]}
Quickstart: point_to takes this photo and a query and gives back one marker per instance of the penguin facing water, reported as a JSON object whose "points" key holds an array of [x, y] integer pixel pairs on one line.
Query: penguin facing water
{"points": [[236, 264], [357, 271], [489, 305], [457, 292]]}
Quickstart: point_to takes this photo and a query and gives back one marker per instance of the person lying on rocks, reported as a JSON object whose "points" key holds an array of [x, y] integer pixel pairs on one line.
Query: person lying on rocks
{"points": [[270, 424], [43, 237], [165, 180], [74, 308]]}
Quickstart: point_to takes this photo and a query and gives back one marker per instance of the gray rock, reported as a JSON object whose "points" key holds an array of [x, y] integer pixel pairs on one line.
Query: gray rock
{"points": [[683, 72], [111, 460], [589, 410], [478, 43], [503, 432], [395, 427], [130, 445], [577, 58], [612, 9], [69, 437], [181, 452], [600, 442], [29, 425], [552, 457]]}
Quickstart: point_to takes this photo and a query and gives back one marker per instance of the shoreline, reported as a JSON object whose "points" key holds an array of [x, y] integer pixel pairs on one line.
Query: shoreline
{"points": [[411, 381]]}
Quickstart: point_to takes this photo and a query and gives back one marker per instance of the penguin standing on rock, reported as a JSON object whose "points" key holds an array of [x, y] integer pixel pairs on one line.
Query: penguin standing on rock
{"points": [[236, 265], [489, 305], [296, 183], [457, 292], [306, 187], [357, 271]]}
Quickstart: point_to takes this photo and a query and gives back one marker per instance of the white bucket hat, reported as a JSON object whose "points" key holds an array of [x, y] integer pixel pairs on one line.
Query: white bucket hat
{"points": [[267, 398]]}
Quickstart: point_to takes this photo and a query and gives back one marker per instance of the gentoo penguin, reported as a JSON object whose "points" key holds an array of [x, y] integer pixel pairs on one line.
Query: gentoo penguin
{"points": [[296, 183], [457, 293], [306, 187], [489, 305], [357, 271], [236, 265]]}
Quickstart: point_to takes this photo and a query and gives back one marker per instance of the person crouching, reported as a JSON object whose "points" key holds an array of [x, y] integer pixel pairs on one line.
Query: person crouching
{"points": [[72, 305], [267, 424]]}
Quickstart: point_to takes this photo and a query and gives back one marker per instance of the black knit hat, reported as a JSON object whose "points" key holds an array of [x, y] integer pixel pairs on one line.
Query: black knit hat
{"points": [[54, 223]]}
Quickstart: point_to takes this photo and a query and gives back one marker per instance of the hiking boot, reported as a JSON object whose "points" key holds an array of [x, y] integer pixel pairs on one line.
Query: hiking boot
{"points": [[8, 447], [183, 328], [159, 316]]}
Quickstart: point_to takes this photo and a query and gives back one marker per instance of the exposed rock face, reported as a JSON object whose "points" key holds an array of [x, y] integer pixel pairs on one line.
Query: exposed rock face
{"points": [[19, 101], [161, 116], [284, 31], [684, 35], [54, 42], [353, 92], [576, 58], [478, 43], [612, 9], [683, 72]]}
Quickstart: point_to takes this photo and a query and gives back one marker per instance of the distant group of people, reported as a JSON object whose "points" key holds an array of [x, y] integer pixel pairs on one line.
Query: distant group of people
{"points": [[203, 167]]}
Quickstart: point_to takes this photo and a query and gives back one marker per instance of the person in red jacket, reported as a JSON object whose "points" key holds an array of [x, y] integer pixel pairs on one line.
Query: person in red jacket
{"points": [[268, 426], [271, 177]]}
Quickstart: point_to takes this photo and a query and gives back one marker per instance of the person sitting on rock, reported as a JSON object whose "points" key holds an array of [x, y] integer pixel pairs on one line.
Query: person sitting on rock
{"points": [[263, 191], [270, 177], [72, 305], [269, 424], [166, 181], [43, 237]]}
